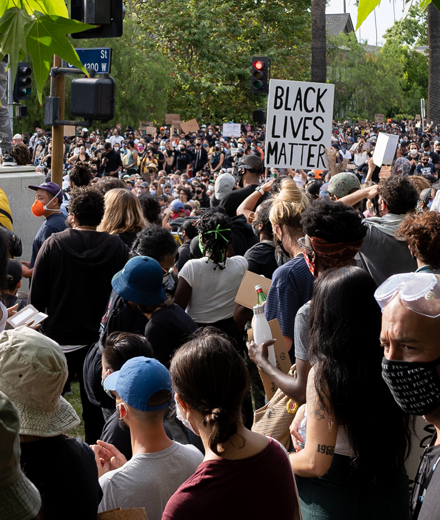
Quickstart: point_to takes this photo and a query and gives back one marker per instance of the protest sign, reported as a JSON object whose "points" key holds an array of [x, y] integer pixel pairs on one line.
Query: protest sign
{"points": [[385, 148], [231, 129], [418, 117], [69, 131], [379, 118], [169, 118], [246, 295], [299, 124], [151, 130], [189, 126]]}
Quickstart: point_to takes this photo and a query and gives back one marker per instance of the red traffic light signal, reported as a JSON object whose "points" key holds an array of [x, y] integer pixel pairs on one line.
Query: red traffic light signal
{"points": [[260, 74]]}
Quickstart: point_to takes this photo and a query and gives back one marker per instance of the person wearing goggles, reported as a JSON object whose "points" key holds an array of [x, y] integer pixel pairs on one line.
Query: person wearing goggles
{"points": [[410, 305]]}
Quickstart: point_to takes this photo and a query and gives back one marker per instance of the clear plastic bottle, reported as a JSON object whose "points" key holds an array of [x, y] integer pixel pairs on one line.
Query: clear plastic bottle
{"points": [[263, 333], [302, 430]]}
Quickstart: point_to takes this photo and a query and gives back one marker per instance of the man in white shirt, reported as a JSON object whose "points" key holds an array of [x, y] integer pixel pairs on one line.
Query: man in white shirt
{"points": [[116, 138], [159, 465]]}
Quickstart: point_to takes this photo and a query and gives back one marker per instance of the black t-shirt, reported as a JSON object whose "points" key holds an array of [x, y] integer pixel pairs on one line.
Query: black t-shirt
{"points": [[184, 253], [64, 471], [428, 507], [168, 329], [261, 258], [114, 161], [236, 197], [435, 158]]}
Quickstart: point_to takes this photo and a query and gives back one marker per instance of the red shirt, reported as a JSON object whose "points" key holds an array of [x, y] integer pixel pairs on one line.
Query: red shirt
{"points": [[260, 487]]}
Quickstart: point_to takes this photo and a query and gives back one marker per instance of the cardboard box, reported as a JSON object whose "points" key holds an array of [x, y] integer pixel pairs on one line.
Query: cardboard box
{"points": [[281, 354], [246, 295], [190, 126], [169, 118], [137, 513]]}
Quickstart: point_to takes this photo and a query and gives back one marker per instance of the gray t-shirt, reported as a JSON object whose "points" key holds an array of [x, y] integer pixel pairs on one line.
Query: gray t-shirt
{"points": [[149, 479], [301, 332]]}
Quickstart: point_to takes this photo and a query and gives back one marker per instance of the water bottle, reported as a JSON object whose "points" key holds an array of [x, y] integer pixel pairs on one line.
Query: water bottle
{"points": [[263, 333], [260, 294], [302, 430]]}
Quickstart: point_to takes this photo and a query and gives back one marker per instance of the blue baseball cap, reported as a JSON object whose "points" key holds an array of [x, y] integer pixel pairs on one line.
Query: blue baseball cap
{"points": [[139, 378], [177, 205], [140, 281]]}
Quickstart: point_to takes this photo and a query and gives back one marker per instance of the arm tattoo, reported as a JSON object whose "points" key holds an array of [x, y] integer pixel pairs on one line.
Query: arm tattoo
{"points": [[326, 450], [317, 410]]}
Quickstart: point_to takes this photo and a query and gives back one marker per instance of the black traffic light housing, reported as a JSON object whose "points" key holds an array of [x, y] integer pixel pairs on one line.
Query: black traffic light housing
{"points": [[260, 74], [93, 98], [22, 85], [107, 14]]}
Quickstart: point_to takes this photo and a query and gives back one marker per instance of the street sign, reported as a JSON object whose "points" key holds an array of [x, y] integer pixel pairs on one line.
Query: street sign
{"points": [[96, 58]]}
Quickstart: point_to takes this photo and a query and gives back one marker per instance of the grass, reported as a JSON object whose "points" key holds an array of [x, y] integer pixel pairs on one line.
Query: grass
{"points": [[75, 401]]}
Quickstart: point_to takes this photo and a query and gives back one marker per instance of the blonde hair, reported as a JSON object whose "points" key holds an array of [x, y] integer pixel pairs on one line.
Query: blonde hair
{"points": [[288, 205], [123, 212]]}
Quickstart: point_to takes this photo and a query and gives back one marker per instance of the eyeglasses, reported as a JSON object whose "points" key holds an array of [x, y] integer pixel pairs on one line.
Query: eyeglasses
{"points": [[305, 244]]}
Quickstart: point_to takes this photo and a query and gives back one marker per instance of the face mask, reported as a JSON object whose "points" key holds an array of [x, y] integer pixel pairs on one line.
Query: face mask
{"points": [[116, 148], [106, 390], [415, 386], [311, 265], [209, 133], [38, 208], [153, 192], [183, 420]]}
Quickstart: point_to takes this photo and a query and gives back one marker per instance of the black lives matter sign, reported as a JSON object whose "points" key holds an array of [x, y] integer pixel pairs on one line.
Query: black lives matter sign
{"points": [[299, 124]]}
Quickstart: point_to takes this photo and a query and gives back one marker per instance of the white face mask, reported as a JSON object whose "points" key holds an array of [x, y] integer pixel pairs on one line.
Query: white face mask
{"points": [[182, 419]]}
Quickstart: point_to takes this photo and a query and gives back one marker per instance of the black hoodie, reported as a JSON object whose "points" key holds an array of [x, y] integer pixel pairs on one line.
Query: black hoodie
{"points": [[71, 282]]}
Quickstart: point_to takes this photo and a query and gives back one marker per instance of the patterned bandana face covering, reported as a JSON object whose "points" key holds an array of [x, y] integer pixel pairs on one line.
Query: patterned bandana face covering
{"points": [[415, 386]]}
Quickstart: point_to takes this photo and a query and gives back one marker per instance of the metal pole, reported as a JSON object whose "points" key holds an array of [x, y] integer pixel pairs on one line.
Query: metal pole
{"points": [[58, 131], [10, 98]]}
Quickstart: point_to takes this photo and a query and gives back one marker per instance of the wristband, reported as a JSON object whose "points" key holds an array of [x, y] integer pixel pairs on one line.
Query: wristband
{"points": [[260, 189]]}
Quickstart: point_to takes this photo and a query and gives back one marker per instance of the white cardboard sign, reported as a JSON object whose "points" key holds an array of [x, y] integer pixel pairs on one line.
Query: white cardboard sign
{"points": [[231, 129], [385, 148], [299, 124]]}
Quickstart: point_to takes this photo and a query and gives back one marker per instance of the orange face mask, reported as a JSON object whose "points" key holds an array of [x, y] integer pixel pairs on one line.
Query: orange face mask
{"points": [[38, 208]]}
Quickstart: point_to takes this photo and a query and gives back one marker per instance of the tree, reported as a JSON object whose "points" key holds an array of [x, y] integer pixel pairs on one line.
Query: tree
{"points": [[319, 45], [365, 83], [210, 43]]}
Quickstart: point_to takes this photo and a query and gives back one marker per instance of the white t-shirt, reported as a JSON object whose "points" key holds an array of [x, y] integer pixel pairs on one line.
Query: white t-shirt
{"points": [[299, 181], [213, 291], [149, 479], [116, 139]]}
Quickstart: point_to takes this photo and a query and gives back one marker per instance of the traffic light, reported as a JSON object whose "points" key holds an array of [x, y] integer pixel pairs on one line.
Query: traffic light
{"points": [[93, 98], [260, 74], [108, 15], [22, 85]]}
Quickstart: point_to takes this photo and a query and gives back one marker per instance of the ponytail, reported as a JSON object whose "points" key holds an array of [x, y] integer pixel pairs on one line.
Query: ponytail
{"points": [[288, 205]]}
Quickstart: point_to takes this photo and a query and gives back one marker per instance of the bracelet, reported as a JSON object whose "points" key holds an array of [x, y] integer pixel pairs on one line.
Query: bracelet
{"points": [[260, 189]]}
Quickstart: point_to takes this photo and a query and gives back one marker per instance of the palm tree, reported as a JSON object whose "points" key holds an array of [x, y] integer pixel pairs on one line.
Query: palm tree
{"points": [[319, 47], [434, 72]]}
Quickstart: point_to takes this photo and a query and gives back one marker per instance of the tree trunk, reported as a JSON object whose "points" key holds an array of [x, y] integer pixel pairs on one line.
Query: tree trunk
{"points": [[319, 48], [434, 71]]}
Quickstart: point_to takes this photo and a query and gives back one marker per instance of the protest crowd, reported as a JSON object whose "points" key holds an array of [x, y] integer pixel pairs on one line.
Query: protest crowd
{"points": [[137, 266]]}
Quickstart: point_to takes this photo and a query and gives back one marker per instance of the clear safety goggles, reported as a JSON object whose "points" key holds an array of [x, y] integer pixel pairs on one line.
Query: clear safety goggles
{"points": [[418, 292]]}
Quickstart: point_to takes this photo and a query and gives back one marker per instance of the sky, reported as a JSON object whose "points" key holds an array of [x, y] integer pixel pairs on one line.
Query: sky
{"points": [[384, 17]]}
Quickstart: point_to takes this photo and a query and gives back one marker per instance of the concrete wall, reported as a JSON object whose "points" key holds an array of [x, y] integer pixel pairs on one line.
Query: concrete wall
{"points": [[14, 180]]}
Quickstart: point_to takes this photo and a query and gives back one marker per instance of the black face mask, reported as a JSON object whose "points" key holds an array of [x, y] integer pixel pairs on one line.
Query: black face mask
{"points": [[415, 386]]}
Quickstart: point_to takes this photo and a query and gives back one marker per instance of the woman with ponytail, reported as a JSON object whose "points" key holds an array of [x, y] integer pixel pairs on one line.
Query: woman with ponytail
{"points": [[244, 474], [292, 282], [207, 286]]}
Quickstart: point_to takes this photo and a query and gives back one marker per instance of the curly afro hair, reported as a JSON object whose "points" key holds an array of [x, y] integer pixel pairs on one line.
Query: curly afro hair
{"points": [[154, 241], [87, 204], [21, 154], [80, 174], [150, 208], [333, 221], [215, 235], [422, 233], [399, 194]]}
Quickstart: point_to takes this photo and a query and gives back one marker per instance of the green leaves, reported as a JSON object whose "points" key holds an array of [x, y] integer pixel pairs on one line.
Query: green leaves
{"points": [[365, 8], [14, 27], [39, 29], [46, 37]]}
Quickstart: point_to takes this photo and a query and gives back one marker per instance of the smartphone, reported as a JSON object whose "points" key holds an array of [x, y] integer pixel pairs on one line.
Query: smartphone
{"points": [[27, 315]]}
